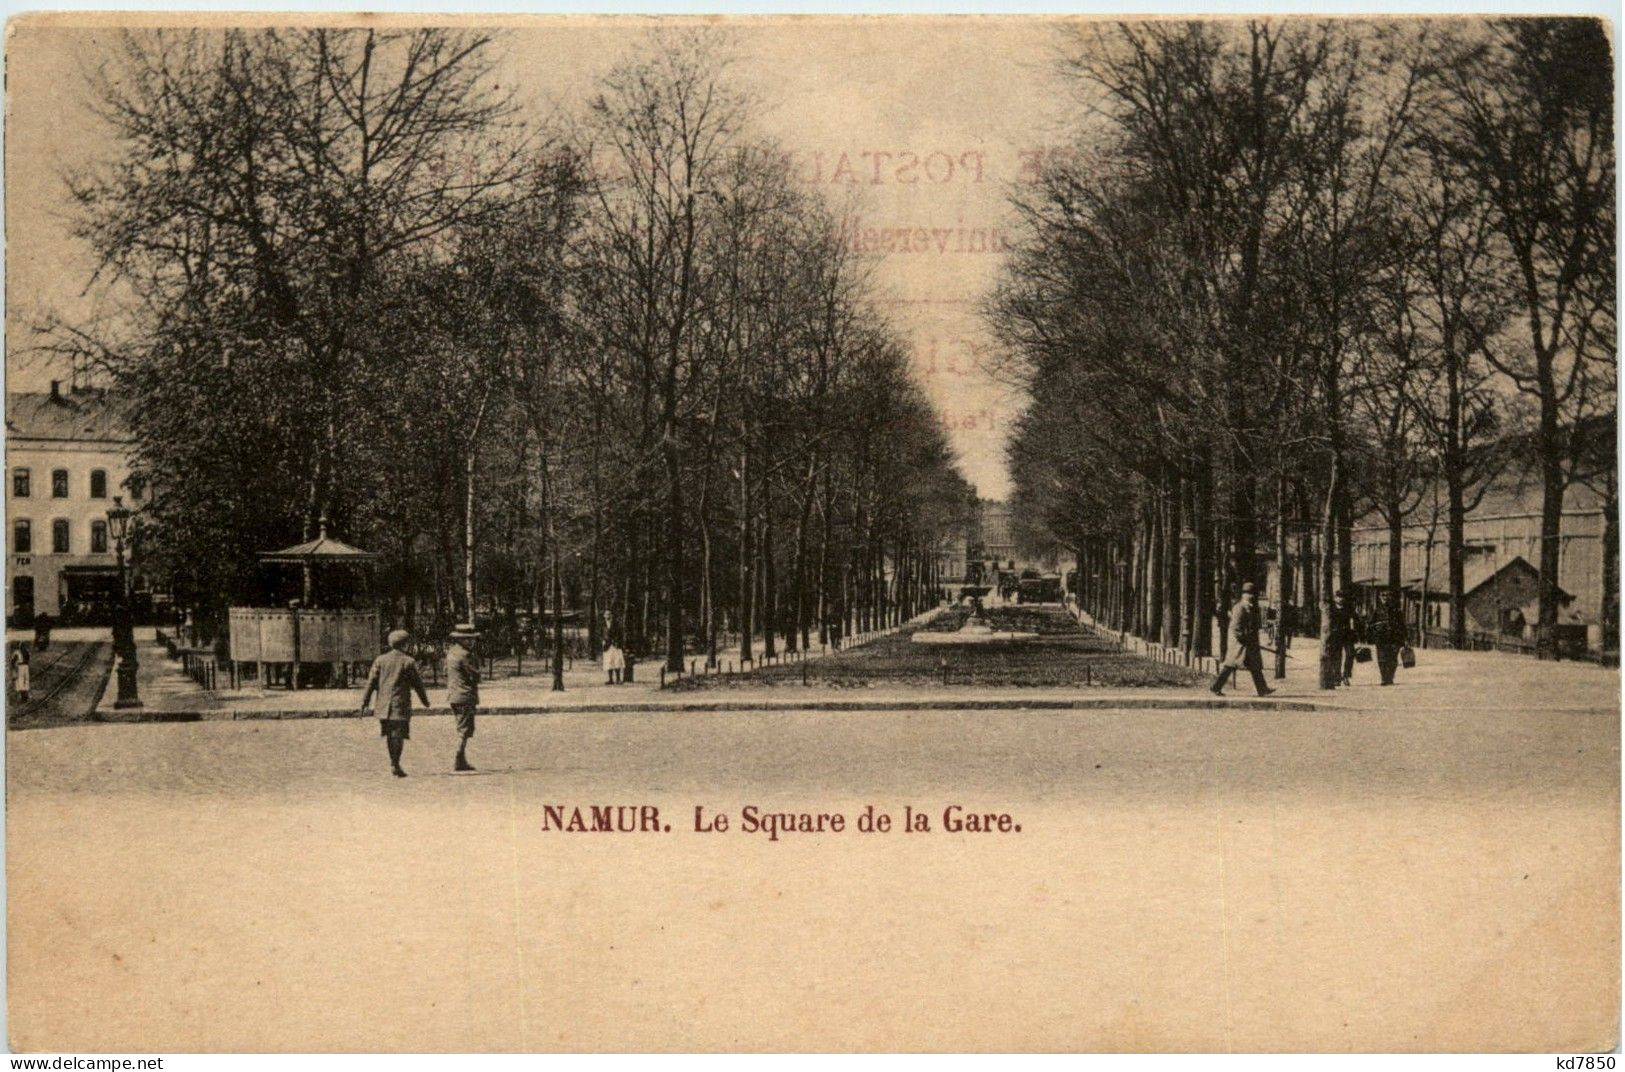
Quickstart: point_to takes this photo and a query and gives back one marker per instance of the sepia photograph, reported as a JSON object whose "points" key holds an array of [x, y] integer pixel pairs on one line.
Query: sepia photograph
{"points": [[821, 534]]}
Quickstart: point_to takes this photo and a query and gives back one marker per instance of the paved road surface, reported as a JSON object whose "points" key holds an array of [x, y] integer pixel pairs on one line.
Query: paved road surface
{"points": [[1182, 880]]}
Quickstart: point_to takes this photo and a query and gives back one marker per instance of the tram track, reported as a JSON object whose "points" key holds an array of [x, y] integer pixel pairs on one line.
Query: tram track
{"points": [[63, 671]]}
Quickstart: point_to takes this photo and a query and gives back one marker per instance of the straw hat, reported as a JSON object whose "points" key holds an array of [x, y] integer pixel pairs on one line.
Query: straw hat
{"points": [[464, 631]]}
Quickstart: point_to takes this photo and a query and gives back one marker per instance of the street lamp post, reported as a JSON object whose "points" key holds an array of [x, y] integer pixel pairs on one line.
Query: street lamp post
{"points": [[124, 656]]}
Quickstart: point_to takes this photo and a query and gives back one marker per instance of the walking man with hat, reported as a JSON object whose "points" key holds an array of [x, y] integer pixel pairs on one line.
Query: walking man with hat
{"points": [[1343, 633], [1245, 651], [463, 687], [393, 680]]}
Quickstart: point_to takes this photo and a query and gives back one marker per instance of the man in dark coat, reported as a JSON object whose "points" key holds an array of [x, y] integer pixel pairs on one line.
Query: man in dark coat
{"points": [[1388, 635], [1245, 651], [394, 678], [1344, 633]]}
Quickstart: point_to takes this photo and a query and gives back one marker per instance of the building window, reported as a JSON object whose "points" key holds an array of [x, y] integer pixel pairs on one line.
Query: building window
{"points": [[59, 537], [137, 485], [22, 538], [98, 537], [20, 483], [59, 483], [98, 483]]}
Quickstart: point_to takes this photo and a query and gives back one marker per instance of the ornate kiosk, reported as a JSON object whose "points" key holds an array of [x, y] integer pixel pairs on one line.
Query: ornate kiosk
{"points": [[304, 634]]}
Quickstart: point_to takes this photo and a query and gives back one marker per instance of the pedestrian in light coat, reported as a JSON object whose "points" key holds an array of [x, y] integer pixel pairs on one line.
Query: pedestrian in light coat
{"points": [[463, 687], [1245, 650], [614, 663], [393, 680]]}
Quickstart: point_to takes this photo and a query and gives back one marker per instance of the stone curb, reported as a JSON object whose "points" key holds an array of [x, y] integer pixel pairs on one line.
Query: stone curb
{"points": [[1118, 703]]}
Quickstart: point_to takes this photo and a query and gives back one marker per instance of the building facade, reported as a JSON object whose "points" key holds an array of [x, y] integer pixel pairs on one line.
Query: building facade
{"points": [[67, 456], [1501, 545], [997, 532], [953, 555]]}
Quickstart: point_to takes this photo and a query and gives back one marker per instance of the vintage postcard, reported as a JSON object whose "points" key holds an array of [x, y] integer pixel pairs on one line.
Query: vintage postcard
{"points": [[811, 534]]}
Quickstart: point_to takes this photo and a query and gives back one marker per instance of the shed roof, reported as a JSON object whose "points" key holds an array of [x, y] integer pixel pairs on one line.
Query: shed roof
{"points": [[1477, 571]]}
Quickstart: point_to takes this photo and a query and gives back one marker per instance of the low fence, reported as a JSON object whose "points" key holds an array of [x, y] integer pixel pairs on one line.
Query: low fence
{"points": [[202, 665], [1478, 641], [1570, 645], [730, 667], [199, 663], [1150, 649]]}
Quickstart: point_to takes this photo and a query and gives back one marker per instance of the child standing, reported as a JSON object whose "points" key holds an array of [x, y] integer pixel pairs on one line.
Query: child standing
{"points": [[19, 672]]}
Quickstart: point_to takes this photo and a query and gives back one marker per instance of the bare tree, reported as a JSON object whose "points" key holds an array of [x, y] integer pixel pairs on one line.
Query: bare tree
{"points": [[261, 187], [1530, 117], [669, 122]]}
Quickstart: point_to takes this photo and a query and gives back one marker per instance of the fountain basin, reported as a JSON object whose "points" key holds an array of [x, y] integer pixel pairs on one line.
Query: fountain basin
{"points": [[984, 635]]}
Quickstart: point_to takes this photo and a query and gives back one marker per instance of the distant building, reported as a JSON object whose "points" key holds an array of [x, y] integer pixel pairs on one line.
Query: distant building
{"points": [[1002, 544], [998, 532], [953, 554], [1501, 560], [67, 456]]}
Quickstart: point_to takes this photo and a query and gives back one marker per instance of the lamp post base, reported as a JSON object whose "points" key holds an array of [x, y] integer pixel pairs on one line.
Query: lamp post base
{"points": [[128, 697]]}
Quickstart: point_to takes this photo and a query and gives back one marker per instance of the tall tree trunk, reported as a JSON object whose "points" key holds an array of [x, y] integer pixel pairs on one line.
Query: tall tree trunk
{"points": [[1307, 571], [770, 573], [631, 636], [1171, 572], [595, 637], [747, 552], [471, 459], [1426, 602], [1345, 537], [1203, 610], [1242, 525], [1454, 464], [1331, 670], [1154, 570], [798, 627], [558, 584], [676, 575], [1187, 567], [1393, 515], [1551, 516], [1609, 638], [823, 562], [468, 539], [1283, 577], [1456, 556], [704, 619]]}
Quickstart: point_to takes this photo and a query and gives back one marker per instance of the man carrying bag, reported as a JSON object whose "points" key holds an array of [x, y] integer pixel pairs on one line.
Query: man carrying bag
{"points": [[1389, 635]]}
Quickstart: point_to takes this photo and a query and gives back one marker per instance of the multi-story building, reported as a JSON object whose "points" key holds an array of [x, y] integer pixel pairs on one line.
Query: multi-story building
{"points": [[998, 532], [953, 555], [67, 457], [996, 542]]}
